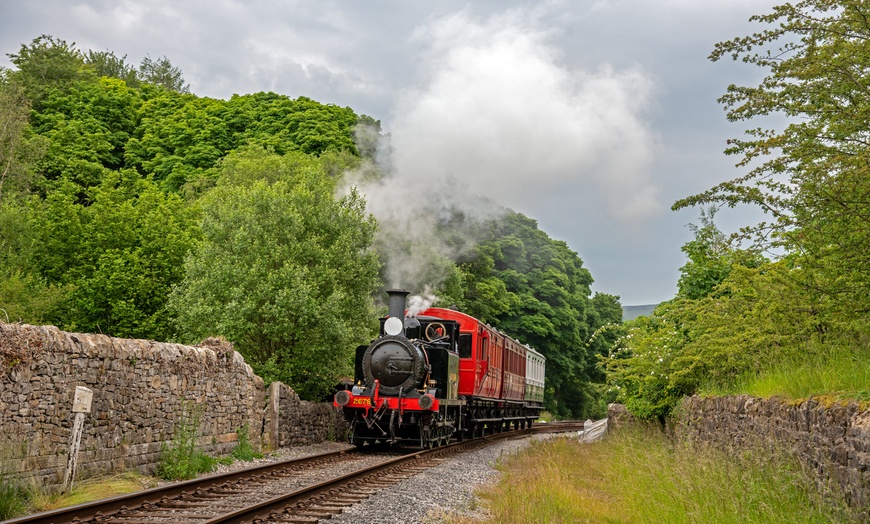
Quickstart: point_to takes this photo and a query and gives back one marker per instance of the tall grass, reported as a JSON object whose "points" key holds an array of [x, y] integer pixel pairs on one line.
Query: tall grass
{"points": [[245, 450], [13, 493], [641, 477], [13, 496], [836, 370], [46, 499]]}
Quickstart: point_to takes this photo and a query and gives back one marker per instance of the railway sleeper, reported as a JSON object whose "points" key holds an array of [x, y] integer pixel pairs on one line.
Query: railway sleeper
{"points": [[361, 492], [144, 521], [332, 506], [316, 512], [185, 505]]}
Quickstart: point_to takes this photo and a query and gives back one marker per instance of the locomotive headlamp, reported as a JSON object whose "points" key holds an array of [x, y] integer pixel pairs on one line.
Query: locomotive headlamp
{"points": [[427, 401], [393, 326], [342, 398]]}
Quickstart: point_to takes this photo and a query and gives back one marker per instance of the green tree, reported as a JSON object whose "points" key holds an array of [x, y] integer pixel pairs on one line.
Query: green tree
{"points": [[24, 294], [711, 257], [19, 149], [536, 289], [121, 252], [284, 270], [180, 138], [722, 323], [161, 72], [46, 65], [812, 174], [106, 63], [87, 126]]}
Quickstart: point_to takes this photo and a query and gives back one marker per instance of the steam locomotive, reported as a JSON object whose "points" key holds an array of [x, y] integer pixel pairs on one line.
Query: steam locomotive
{"points": [[439, 375]]}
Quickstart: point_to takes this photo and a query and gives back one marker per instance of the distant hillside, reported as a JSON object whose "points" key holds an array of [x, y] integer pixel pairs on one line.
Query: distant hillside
{"points": [[632, 312]]}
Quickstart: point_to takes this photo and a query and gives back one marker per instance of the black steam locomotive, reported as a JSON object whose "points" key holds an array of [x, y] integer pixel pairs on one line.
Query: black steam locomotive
{"points": [[439, 375]]}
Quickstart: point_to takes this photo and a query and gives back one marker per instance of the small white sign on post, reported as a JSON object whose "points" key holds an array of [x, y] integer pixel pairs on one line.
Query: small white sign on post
{"points": [[81, 405], [82, 400]]}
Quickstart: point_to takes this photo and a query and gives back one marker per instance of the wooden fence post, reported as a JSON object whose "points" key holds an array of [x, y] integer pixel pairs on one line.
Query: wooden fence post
{"points": [[81, 406]]}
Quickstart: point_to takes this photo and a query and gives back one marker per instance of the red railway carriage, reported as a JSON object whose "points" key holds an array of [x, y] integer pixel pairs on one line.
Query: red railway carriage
{"points": [[439, 375], [491, 364]]}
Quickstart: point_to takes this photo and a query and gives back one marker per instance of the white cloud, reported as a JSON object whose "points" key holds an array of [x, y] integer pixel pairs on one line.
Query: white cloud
{"points": [[497, 111]]}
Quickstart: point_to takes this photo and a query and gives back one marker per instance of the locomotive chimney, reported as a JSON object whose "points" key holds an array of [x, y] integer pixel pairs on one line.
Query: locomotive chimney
{"points": [[397, 302]]}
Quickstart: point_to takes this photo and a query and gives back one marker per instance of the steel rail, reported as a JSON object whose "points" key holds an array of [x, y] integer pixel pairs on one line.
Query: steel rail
{"points": [[108, 507], [338, 486], [87, 511]]}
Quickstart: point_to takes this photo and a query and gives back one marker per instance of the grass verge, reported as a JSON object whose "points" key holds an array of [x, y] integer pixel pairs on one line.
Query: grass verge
{"points": [[90, 490], [13, 496], [840, 372], [641, 477]]}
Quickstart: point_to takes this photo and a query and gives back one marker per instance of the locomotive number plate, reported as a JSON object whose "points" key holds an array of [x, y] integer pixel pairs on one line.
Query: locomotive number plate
{"points": [[361, 401]]}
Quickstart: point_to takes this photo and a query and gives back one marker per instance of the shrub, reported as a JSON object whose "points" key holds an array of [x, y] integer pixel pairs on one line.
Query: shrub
{"points": [[244, 450], [180, 459]]}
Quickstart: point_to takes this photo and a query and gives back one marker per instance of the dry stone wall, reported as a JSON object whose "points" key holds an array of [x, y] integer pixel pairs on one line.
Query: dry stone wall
{"points": [[832, 440], [140, 388], [296, 422]]}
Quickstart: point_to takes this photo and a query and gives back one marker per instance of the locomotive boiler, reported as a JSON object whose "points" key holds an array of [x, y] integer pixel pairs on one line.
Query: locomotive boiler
{"points": [[439, 375]]}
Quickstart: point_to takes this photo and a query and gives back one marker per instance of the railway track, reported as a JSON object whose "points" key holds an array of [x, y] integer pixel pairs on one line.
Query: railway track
{"points": [[296, 491]]}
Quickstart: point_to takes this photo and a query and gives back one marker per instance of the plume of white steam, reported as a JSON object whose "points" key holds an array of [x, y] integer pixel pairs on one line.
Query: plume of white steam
{"points": [[421, 302], [497, 118], [409, 211]]}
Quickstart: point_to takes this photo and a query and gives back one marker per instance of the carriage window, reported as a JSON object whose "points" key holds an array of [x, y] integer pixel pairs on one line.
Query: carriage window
{"points": [[465, 345]]}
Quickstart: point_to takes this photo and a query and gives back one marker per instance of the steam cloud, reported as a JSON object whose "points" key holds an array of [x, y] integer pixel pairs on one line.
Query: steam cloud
{"points": [[498, 111], [495, 114], [419, 303]]}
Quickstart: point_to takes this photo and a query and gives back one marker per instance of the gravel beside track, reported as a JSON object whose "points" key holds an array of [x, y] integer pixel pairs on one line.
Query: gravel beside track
{"points": [[428, 497]]}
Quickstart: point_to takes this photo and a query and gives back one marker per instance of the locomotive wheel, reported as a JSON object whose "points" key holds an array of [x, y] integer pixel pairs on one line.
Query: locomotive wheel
{"points": [[426, 440]]}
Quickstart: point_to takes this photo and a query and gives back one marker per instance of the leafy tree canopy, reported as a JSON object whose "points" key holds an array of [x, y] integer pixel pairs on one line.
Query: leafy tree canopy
{"points": [[46, 65], [161, 72], [811, 175], [106, 63], [284, 270], [537, 290], [121, 252]]}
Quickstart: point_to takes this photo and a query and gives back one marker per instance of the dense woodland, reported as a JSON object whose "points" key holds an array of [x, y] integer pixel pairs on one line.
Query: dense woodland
{"points": [[780, 308], [132, 207]]}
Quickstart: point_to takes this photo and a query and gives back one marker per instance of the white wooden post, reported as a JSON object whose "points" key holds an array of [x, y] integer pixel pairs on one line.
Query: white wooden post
{"points": [[81, 406], [274, 413]]}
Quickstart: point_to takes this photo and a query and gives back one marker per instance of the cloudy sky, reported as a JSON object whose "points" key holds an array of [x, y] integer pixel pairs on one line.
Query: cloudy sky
{"points": [[590, 116]]}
